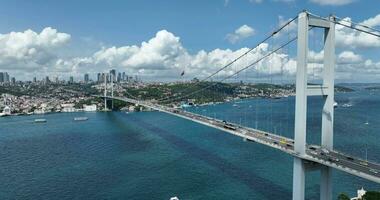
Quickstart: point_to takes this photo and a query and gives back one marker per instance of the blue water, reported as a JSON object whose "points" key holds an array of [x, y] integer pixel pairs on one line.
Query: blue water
{"points": [[152, 155]]}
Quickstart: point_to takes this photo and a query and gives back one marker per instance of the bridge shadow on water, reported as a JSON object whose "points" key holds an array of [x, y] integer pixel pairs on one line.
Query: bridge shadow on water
{"points": [[253, 181]]}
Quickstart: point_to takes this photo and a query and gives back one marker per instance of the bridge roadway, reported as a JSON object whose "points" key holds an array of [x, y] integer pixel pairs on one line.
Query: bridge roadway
{"points": [[316, 154]]}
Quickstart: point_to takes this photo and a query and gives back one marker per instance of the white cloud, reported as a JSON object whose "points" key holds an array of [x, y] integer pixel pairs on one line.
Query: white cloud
{"points": [[163, 58], [226, 2], [241, 33], [353, 39], [256, 1], [349, 57], [372, 22], [29, 50], [332, 2]]}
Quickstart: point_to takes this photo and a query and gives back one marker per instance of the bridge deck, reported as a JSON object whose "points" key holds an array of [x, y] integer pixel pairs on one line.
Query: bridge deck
{"points": [[315, 154]]}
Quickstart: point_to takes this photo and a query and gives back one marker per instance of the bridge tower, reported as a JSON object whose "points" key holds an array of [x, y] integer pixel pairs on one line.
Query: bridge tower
{"points": [[110, 77], [105, 92], [303, 90]]}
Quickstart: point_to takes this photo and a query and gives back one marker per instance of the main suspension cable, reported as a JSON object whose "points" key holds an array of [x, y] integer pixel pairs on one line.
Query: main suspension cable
{"points": [[241, 56], [238, 71]]}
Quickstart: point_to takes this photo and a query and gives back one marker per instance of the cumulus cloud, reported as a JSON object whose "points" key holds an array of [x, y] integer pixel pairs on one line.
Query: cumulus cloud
{"points": [[349, 57], [241, 33], [164, 57], [374, 21], [353, 39], [332, 2], [29, 50]]}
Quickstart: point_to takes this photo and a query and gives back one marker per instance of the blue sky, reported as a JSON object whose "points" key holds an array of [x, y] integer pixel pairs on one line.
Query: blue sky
{"points": [[199, 25]]}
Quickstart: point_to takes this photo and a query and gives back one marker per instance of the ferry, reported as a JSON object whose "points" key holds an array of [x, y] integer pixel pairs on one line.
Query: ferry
{"points": [[40, 121], [80, 118]]}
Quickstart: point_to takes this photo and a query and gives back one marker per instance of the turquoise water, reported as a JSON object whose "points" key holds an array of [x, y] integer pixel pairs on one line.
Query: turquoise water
{"points": [[153, 155]]}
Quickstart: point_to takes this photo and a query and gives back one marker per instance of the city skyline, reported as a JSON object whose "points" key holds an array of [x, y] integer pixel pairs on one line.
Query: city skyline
{"points": [[164, 44]]}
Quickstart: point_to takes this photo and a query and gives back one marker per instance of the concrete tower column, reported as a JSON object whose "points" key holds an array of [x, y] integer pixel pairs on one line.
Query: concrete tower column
{"points": [[105, 92], [328, 107], [301, 108]]}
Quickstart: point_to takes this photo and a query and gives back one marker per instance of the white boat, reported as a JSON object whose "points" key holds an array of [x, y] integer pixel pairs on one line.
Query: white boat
{"points": [[174, 198], [40, 121], [335, 104], [346, 105], [80, 118]]}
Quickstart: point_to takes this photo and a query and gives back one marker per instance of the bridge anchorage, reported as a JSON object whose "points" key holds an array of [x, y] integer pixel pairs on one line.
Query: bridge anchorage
{"points": [[306, 157]]}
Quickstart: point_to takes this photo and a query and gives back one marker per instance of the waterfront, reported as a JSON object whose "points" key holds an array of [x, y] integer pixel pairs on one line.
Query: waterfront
{"points": [[152, 155]]}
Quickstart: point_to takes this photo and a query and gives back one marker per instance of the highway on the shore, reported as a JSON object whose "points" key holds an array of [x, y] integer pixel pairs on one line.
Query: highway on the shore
{"points": [[315, 154]]}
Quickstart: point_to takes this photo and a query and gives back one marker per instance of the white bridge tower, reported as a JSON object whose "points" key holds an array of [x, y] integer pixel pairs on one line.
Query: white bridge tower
{"points": [[303, 90]]}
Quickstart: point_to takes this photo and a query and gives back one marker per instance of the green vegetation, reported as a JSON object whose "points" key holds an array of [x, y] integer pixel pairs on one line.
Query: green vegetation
{"points": [[343, 196], [371, 195], [94, 100], [374, 88], [204, 92], [39, 90]]}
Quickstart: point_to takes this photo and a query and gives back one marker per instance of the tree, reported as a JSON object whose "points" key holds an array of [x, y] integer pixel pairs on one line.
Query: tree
{"points": [[343, 196], [371, 195]]}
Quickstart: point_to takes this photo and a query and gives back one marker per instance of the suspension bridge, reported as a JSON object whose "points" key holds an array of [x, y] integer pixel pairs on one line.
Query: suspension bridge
{"points": [[307, 157]]}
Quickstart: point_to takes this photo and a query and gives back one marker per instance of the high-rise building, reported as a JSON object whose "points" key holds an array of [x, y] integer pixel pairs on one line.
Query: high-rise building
{"points": [[6, 77], [13, 80], [124, 76], [71, 80], [103, 77], [118, 77], [34, 79], [99, 78], [56, 80], [1, 77], [86, 78], [47, 80], [113, 74]]}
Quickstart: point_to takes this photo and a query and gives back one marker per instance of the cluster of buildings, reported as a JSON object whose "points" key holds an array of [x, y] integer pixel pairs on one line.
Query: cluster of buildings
{"points": [[116, 77], [112, 75], [6, 79], [10, 104]]}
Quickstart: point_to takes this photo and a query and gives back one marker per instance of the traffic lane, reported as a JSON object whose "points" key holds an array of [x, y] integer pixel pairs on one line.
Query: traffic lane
{"points": [[370, 165], [342, 163]]}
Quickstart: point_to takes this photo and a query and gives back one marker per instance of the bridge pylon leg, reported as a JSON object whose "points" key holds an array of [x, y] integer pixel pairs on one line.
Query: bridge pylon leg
{"points": [[326, 184], [328, 107], [303, 90], [298, 179]]}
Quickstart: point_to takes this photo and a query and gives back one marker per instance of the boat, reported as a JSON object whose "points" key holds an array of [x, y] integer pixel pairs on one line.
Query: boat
{"points": [[335, 104], [40, 121], [80, 118], [346, 105], [235, 105]]}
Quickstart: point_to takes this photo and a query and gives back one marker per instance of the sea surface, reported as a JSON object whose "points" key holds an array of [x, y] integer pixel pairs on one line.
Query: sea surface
{"points": [[152, 155]]}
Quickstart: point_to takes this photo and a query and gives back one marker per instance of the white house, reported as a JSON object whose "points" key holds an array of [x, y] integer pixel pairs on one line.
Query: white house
{"points": [[90, 108]]}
